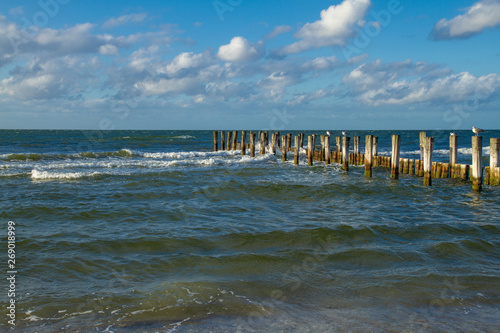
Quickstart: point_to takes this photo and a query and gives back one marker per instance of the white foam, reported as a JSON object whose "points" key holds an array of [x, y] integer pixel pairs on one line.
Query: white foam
{"points": [[36, 174]]}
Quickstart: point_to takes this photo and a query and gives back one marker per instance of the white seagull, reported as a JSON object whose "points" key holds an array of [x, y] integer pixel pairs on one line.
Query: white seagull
{"points": [[477, 130], [453, 134], [344, 133], [328, 133]]}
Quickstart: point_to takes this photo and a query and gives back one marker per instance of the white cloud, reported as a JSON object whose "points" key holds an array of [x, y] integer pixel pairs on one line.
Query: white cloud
{"points": [[480, 16], [187, 61], [304, 98], [124, 19], [108, 49], [395, 84], [56, 78], [281, 29], [335, 27], [240, 49]]}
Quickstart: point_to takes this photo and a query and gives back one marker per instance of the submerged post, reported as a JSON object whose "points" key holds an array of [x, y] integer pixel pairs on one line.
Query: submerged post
{"points": [[345, 152], [356, 150], [396, 142], [215, 141], [243, 143], [297, 150], [284, 148], [368, 155], [309, 150], [262, 139], [428, 147], [494, 161], [477, 167]]}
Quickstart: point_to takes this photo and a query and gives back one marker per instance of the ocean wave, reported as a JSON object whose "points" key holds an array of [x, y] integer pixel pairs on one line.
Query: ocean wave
{"points": [[37, 174]]}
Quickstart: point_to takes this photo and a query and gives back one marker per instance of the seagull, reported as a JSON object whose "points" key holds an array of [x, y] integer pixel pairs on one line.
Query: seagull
{"points": [[344, 133], [477, 130], [453, 134], [328, 133]]}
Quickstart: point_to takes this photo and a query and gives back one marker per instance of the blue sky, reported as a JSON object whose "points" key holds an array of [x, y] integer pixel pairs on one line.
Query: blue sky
{"points": [[241, 64]]}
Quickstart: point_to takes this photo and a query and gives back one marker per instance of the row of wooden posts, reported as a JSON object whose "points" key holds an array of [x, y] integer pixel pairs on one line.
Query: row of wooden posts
{"points": [[423, 167]]}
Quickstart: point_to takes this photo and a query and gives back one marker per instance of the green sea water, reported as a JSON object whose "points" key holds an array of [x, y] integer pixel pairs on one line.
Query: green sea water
{"points": [[152, 231]]}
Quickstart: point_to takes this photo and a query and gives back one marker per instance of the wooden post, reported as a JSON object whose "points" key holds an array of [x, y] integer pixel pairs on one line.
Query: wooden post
{"points": [[243, 143], [309, 150], [345, 152], [266, 139], [428, 147], [252, 144], [368, 155], [229, 136], [278, 142], [262, 140], [327, 149], [446, 170], [235, 140], [375, 150], [494, 161], [422, 136], [222, 140], [215, 141], [411, 167], [396, 141], [314, 143], [453, 151], [477, 167], [301, 139], [297, 150], [322, 151], [406, 166], [284, 147], [439, 170], [356, 150]]}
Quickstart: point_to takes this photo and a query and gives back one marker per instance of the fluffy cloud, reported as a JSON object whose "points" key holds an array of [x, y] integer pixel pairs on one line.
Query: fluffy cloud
{"points": [[124, 19], [66, 77], [334, 28], [482, 15], [240, 49], [393, 84]]}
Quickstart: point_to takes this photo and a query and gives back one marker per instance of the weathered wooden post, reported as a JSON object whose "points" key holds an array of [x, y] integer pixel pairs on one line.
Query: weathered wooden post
{"points": [[477, 167], [266, 139], [406, 166], [215, 141], [243, 142], [428, 147], [338, 147], [368, 155], [422, 136], [494, 161], [375, 150], [396, 142], [235, 140], [301, 139], [314, 143], [453, 153], [356, 150], [297, 150], [262, 140], [284, 147], [229, 135], [322, 152], [345, 152], [411, 167], [222, 140], [309, 150], [273, 144], [252, 144], [327, 149]]}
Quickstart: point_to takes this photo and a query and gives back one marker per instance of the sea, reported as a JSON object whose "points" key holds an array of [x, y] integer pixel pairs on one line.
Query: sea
{"points": [[153, 231]]}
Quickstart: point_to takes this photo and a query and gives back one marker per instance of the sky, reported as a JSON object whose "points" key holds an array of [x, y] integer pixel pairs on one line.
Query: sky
{"points": [[241, 64]]}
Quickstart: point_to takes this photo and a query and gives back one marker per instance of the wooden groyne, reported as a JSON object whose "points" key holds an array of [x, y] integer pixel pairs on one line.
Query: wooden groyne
{"points": [[423, 167]]}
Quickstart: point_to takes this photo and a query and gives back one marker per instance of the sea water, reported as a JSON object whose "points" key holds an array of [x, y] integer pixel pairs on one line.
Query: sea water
{"points": [[153, 231]]}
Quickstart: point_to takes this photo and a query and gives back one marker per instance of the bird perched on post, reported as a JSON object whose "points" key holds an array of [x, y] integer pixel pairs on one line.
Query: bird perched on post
{"points": [[344, 133], [477, 130], [453, 134], [328, 133]]}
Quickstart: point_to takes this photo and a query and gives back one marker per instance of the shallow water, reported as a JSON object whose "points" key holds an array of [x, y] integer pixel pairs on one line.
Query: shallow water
{"points": [[151, 231]]}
